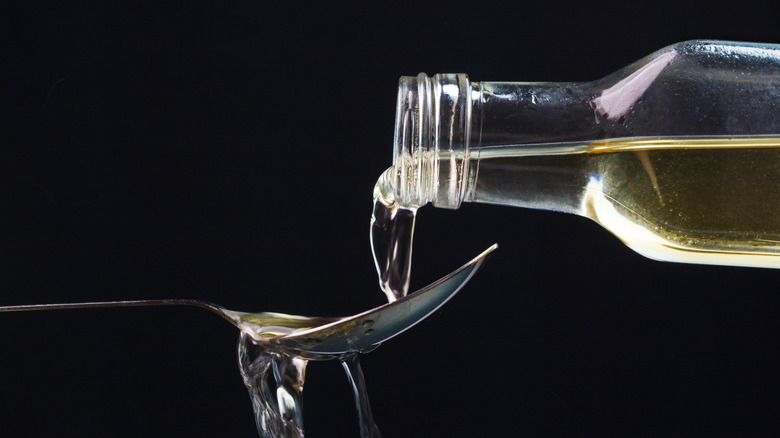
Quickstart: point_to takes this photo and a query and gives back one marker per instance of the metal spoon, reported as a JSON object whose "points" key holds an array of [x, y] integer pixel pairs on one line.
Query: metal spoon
{"points": [[278, 346], [314, 337]]}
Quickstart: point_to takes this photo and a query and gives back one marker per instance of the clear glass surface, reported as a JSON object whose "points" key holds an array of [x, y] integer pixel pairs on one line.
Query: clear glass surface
{"points": [[677, 154]]}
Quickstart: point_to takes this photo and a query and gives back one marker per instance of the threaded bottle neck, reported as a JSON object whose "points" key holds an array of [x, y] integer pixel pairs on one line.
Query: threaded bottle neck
{"points": [[432, 130]]}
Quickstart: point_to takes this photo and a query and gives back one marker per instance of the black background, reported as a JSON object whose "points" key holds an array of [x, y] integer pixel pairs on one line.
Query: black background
{"points": [[227, 151]]}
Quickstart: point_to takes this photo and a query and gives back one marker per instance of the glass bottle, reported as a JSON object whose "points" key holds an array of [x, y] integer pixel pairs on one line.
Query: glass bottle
{"points": [[677, 154]]}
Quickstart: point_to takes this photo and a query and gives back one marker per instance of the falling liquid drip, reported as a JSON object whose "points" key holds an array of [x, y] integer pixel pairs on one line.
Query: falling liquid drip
{"points": [[275, 378], [392, 232], [274, 375], [368, 429], [277, 402]]}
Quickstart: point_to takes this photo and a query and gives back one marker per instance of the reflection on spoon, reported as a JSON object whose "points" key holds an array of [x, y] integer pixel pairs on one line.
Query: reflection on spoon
{"points": [[279, 346]]}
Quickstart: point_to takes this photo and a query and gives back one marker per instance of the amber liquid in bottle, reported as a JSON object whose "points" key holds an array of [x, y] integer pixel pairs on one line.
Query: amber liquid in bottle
{"points": [[713, 200]]}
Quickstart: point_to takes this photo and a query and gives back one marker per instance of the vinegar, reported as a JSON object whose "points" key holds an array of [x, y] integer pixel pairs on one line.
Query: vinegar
{"points": [[713, 200]]}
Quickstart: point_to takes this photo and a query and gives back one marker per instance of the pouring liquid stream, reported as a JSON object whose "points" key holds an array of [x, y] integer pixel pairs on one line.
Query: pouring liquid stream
{"points": [[392, 233]]}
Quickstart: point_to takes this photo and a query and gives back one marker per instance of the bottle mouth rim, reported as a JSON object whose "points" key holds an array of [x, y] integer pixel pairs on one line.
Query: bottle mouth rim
{"points": [[432, 133]]}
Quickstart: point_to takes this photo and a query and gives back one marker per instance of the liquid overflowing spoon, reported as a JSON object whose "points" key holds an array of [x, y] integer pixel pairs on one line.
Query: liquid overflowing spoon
{"points": [[279, 346]]}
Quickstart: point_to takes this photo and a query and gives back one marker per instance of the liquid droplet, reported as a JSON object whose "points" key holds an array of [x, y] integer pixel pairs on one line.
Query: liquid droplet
{"points": [[368, 429]]}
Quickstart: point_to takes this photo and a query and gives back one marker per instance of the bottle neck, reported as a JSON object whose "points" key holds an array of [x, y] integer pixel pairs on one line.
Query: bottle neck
{"points": [[443, 122], [432, 135]]}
